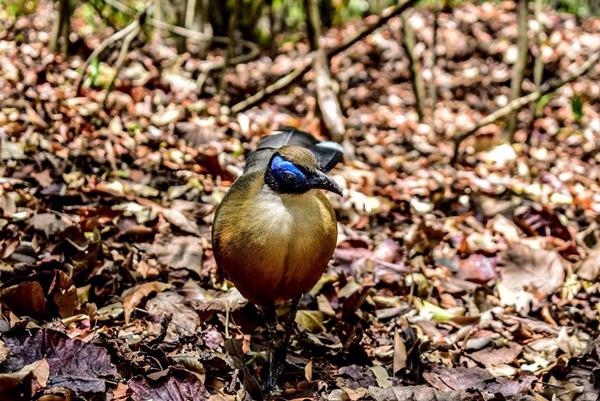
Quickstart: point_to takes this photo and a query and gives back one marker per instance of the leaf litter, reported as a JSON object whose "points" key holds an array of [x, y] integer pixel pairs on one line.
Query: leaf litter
{"points": [[470, 282]]}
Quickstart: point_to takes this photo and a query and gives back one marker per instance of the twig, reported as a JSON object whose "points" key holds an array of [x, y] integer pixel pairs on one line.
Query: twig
{"points": [[275, 87], [115, 37], [292, 76], [395, 11], [547, 87], [121, 59]]}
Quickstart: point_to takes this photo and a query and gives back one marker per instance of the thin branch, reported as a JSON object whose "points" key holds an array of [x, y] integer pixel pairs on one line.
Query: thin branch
{"points": [[547, 87], [360, 35], [296, 74], [275, 87], [121, 59], [115, 37]]}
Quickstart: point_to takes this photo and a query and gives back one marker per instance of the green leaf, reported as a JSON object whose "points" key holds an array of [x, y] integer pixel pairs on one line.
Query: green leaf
{"points": [[310, 320], [577, 107], [325, 278], [94, 70], [350, 288], [436, 313], [544, 100]]}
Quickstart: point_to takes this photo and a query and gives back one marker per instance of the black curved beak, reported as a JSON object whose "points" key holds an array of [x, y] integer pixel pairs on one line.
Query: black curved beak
{"points": [[322, 181]]}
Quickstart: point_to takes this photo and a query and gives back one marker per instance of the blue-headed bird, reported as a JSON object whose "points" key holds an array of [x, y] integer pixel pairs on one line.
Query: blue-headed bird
{"points": [[275, 231]]}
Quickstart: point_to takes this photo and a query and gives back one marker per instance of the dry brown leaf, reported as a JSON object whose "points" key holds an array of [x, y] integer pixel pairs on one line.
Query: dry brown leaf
{"points": [[25, 298], [590, 268], [400, 355], [134, 296], [529, 275], [497, 356]]}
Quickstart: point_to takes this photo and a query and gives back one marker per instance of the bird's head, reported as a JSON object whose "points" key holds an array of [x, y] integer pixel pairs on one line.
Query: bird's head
{"points": [[295, 170]]}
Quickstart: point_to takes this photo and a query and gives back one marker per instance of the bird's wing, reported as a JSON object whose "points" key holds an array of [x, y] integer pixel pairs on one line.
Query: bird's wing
{"points": [[329, 153]]}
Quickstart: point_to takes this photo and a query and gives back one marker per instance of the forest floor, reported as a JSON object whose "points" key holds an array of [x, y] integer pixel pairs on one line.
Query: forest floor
{"points": [[472, 281]]}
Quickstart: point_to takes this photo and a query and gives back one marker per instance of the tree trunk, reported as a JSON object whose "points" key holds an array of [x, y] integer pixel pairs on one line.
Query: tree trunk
{"points": [[432, 86], [519, 68], [329, 106], [61, 29], [416, 70], [231, 28]]}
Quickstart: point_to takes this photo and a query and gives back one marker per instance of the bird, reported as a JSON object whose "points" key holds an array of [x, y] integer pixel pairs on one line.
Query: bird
{"points": [[275, 231]]}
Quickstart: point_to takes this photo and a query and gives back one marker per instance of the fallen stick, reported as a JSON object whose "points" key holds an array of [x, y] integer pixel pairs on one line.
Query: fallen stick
{"points": [[547, 87], [278, 85], [329, 106], [121, 59], [291, 77], [115, 37]]}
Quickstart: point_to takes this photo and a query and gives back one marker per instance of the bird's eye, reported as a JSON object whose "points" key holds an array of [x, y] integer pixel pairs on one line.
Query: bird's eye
{"points": [[289, 177]]}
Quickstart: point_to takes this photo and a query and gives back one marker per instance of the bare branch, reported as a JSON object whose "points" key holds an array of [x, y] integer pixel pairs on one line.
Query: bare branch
{"points": [[121, 59], [275, 87], [547, 87], [115, 37], [292, 76]]}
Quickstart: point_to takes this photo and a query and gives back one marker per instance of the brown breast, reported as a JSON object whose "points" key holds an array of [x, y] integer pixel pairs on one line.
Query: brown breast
{"points": [[272, 246]]}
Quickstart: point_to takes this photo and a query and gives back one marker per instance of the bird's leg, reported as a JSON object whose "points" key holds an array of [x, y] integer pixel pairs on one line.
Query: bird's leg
{"points": [[271, 322], [281, 352]]}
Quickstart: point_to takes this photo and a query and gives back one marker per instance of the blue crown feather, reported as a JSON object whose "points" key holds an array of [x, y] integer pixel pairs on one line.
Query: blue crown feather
{"points": [[287, 172]]}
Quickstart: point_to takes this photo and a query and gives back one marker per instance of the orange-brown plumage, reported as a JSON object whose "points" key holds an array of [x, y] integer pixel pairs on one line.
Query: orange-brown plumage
{"points": [[274, 231], [274, 246]]}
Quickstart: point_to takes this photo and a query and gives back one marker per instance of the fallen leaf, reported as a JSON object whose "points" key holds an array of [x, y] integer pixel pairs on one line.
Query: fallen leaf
{"points": [[17, 386], [179, 220], [175, 385], [73, 364], [185, 320], [490, 357], [310, 320], [535, 271], [381, 375], [590, 268], [460, 378], [400, 355], [26, 298], [179, 253], [40, 370], [132, 297], [477, 268]]}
